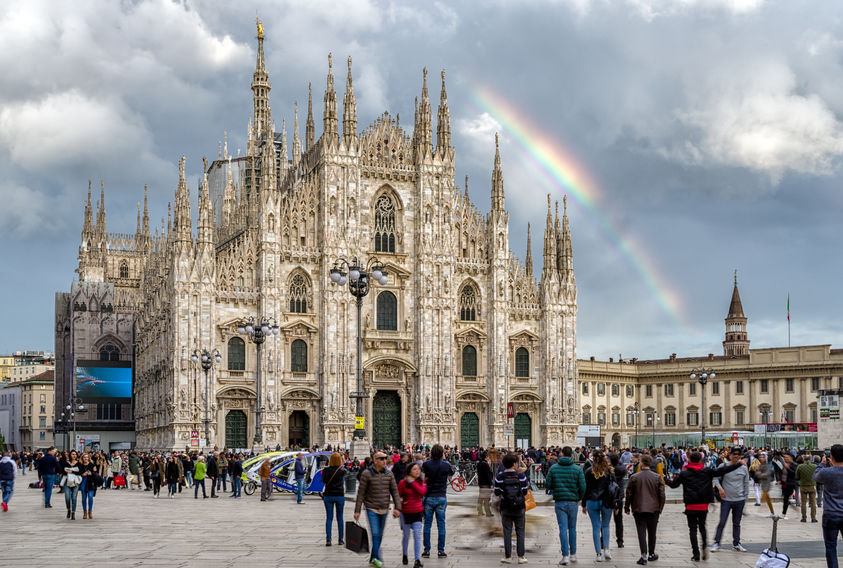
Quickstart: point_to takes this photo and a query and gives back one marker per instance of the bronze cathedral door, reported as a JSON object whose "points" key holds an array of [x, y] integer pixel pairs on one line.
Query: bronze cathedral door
{"points": [[386, 419]]}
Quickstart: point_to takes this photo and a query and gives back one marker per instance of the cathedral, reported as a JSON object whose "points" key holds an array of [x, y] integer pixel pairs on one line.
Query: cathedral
{"points": [[462, 345]]}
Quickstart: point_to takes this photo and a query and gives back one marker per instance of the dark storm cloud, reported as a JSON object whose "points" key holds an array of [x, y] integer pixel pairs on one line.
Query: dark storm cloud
{"points": [[711, 127]]}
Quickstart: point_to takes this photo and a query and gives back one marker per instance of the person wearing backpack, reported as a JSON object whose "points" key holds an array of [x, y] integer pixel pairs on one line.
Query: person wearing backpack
{"points": [[511, 486], [8, 473], [565, 480], [597, 496]]}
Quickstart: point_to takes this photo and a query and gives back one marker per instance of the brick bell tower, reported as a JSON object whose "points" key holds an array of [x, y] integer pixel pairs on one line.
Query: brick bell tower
{"points": [[737, 342]]}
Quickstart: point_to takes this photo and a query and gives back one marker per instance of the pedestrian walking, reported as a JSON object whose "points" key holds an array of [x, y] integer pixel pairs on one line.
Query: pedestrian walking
{"points": [[72, 480], [199, 471], [644, 498], [762, 474], [565, 480], [412, 490], [807, 488], [830, 473], [485, 478], [788, 481], [8, 473], [114, 469], [734, 490], [48, 467], [377, 486], [301, 477], [436, 473], [157, 473], [134, 471], [334, 497], [88, 487], [597, 480], [266, 485], [512, 486], [235, 469], [619, 471], [172, 475], [697, 493], [222, 462], [212, 472]]}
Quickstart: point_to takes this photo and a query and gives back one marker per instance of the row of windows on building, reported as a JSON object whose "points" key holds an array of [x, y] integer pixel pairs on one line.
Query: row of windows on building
{"points": [[298, 358], [669, 388], [715, 417]]}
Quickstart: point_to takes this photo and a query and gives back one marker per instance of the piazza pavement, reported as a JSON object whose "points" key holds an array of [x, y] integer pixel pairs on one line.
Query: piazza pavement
{"points": [[130, 528]]}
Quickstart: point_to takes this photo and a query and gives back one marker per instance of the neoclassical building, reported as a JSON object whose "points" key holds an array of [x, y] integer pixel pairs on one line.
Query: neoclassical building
{"points": [[462, 332], [656, 400]]}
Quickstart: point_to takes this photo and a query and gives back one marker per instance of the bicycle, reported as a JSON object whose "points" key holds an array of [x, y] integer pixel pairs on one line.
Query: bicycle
{"points": [[459, 483]]}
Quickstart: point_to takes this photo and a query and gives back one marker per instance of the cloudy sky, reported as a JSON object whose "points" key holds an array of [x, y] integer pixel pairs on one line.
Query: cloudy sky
{"points": [[693, 138]]}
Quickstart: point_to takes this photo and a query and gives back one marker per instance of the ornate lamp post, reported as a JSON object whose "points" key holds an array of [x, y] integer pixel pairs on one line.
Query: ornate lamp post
{"points": [[357, 276], [206, 359], [654, 416], [765, 418], [257, 328], [69, 414], [702, 376]]}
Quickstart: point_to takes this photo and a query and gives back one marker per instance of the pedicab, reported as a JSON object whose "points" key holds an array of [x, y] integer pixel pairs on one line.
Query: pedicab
{"points": [[251, 478], [283, 474]]}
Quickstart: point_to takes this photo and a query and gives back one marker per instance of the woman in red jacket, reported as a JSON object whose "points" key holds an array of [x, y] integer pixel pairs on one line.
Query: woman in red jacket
{"points": [[412, 491]]}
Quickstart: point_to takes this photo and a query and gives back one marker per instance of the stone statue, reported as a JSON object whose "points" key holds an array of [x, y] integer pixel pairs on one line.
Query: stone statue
{"points": [[270, 397], [182, 399], [368, 321]]}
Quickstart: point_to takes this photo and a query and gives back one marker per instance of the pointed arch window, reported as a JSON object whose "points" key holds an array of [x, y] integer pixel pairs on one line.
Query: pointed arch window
{"points": [[469, 361], [298, 356], [469, 303], [124, 269], [299, 291], [384, 224], [522, 362], [387, 311], [236, 354], [109, 353]]}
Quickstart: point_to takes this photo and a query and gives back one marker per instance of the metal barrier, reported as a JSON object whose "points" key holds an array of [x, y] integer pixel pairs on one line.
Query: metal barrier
{"points": [[536, 475]]}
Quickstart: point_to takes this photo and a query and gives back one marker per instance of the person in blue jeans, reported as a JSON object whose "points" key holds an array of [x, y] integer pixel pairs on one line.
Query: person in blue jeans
{"points": [[596, 491], [87, 470], [830, 474], [301, 477], [48, 466], [566, 482], [235, 468], [436, 473], [377, 486], [333, 496], [8, 472]]}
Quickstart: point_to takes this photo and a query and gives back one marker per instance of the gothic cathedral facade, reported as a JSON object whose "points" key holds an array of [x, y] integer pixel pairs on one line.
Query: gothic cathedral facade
{"points": [[463, 345]]}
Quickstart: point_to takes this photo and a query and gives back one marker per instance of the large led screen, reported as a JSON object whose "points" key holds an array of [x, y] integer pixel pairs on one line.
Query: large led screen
{"points": [[101, 381]]}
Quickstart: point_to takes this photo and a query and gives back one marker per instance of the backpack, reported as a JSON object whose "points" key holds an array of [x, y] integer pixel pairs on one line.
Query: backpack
{"points": [[512, 494], [677, 461], [613, 497], [7, 470]]}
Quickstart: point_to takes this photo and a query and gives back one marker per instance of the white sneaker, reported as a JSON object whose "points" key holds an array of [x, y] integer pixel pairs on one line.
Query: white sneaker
{"points": [[522, 560], [573, 558], [606, 554], [564, 561], [715, 547], [738, 548], [599, 558], [506, 560]]}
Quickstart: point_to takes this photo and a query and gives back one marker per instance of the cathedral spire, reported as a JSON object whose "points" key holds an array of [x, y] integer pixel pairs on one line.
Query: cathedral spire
{"points": [[285, 159], [296, 139], [424, 132], [260, 91], [497, 180], [145, 211], [204, 222], [181, 215], [229, 199], [138, 229], [529, 259], [330, 110], [349, 111], [466, 188], [309, 126], [443, 128], [567, 265], [88, 222], [549, 267], [560, 247], [101, 211]]}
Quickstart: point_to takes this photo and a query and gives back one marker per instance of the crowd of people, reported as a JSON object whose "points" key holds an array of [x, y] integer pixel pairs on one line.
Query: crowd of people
{"points": [[412, 483]]}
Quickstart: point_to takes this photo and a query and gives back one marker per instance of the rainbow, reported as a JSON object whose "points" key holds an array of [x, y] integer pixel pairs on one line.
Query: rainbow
{"points": [[559, 170]]}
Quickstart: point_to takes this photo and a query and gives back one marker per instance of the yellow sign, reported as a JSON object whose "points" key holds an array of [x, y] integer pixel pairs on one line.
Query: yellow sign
{"points": [[359, 423]]}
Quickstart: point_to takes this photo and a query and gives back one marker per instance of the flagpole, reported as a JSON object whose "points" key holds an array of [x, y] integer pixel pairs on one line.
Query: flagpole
{"points": [[788, 319]]}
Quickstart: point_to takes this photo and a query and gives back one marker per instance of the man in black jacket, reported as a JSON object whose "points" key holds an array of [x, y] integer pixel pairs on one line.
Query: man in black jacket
{"points": [[436, 474], [48, 466], [697, 493], [213, 472]]}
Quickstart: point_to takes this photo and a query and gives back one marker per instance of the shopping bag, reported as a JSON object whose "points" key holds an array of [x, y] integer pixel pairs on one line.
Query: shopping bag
{"points": [[529, 500], [356, 537], [772, 559], [119, 481]]}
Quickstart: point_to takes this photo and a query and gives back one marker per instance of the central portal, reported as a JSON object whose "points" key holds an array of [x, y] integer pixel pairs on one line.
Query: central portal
{"points": [[299, 433], [386, 419]]}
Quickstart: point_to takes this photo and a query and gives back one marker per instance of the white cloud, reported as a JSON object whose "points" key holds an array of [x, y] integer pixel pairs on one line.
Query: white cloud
{"points": [[480, 130]]}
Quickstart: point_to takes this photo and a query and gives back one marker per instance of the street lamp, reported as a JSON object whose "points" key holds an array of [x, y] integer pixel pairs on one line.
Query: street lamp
{"points": [[637, 413], [357, 275], [257, 328], [206, 359], [702, 376], [654, 417], [765, 418], [69, 414]]}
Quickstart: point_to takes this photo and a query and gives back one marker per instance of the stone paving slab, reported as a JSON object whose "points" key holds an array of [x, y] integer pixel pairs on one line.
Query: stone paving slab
{"points": [[131, 528]]}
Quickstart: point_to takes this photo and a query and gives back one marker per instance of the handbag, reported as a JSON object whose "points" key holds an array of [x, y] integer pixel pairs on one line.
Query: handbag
{"points": [[772, 559], [529, 500], [614, 494], [356, 537], [73, 480]]}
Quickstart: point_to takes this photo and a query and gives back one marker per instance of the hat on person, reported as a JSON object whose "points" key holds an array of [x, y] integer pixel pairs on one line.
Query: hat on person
{"points": [[737, 451]]}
